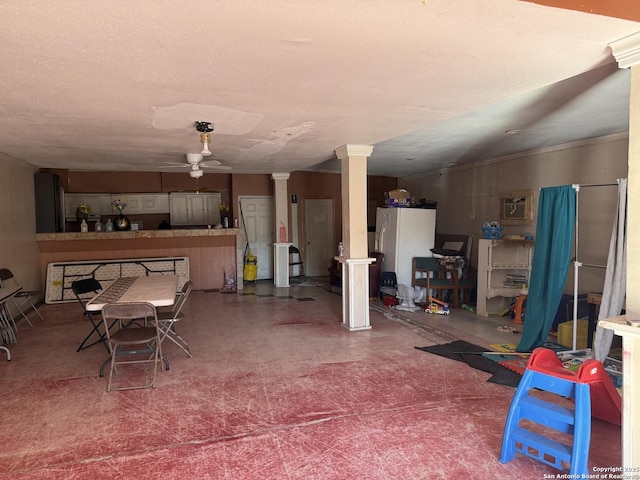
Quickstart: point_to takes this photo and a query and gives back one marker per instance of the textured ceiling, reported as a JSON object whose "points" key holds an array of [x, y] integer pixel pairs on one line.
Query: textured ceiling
{"points": [[435, 83]]}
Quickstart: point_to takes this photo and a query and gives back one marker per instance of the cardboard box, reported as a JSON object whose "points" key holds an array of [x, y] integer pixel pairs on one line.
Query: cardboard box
{"points": [[397, 198], [565, 334]]}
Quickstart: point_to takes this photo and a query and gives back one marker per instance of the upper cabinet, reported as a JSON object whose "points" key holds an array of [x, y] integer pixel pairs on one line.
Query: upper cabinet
{"points": [[145, 203], [96, 203], [194, 208], [100, 204]]}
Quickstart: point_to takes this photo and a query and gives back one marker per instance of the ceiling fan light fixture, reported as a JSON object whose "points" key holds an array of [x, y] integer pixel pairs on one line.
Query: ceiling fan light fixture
{"points": [[205, 138], [196, 173], [194, 158]]}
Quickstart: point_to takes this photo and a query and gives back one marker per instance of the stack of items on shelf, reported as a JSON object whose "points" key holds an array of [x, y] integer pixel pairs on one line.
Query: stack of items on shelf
{"points": [[397, 198], [515, 280], [492, 230]]}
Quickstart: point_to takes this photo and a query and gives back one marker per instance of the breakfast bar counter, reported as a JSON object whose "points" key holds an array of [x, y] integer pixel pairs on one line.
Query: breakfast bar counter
{"points": [[211, 252]]}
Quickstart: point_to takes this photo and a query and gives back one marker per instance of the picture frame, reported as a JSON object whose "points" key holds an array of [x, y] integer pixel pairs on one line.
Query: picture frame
{"points": [[516, 208]]}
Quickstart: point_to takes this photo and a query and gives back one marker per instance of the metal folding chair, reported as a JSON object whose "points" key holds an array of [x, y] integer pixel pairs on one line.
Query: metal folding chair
{"points": [[168, 319], [132, 343], [7, 332], [25, 296]]}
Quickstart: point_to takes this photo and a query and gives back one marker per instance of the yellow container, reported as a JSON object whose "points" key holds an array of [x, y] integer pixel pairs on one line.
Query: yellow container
{"points": [[565, 334], [250, 271]]}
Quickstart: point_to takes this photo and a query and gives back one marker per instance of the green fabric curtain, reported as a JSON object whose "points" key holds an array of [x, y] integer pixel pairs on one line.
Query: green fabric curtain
{"points": [[551, 257]]}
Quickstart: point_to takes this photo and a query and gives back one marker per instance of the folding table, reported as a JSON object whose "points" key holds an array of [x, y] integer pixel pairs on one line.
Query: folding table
{"points": [[158, 290]]}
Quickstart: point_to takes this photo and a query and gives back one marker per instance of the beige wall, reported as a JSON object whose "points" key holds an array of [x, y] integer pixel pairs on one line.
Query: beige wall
{"points": [[469, 196], [18, 249]]}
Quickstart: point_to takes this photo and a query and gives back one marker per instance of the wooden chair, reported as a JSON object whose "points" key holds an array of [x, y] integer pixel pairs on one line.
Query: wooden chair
{"points": [[468, 282], [427, 272]]}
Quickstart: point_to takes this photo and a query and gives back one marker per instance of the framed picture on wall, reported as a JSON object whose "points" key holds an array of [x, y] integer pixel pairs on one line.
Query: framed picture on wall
{"points": [[516, 208]]}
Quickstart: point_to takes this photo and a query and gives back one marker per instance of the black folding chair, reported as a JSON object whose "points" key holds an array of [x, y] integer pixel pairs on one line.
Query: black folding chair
{"points": [[81, 289], [295, 259]]}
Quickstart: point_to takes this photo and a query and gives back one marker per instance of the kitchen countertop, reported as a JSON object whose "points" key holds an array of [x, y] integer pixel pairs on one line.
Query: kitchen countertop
{"points": [[200, 232]]}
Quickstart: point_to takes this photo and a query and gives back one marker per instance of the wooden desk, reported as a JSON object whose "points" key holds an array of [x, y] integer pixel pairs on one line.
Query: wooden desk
{"points": [[158, 290]]}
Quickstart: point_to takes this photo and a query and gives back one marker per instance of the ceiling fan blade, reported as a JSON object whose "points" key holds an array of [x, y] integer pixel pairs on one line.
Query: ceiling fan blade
{"points": [[174, 165], [216, 167], [212, 161]]}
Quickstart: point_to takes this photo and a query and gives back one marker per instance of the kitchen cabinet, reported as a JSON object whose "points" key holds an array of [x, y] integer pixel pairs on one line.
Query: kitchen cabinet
{"points": [[144, 203], [100, 204], [194, 208], [106, 208], [97, 203], [504, 269]]}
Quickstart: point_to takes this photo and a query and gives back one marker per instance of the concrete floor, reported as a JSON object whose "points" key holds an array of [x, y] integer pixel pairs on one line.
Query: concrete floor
{"points": [[276, 389]]}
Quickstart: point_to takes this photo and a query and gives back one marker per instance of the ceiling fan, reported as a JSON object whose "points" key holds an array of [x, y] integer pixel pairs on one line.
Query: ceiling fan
{"points": [[195, 163], [194, 160]]}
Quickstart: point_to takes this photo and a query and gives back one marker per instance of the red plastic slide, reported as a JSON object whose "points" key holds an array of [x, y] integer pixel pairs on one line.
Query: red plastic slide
{"points": [[606, 403]]}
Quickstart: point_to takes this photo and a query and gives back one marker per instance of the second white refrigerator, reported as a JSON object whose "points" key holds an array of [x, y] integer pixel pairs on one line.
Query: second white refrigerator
{"points": [[401, 234]]}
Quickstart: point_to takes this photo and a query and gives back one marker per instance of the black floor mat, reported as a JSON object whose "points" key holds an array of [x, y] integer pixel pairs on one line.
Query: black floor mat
{"points": [[471, 354]]}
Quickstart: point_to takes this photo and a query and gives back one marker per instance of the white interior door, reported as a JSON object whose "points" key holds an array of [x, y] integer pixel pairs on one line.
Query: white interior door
{"points": [[318, 216], [258, 220]]}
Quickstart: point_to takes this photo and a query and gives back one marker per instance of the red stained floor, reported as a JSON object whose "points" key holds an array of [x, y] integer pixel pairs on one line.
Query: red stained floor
{"points": [[276, 389]]}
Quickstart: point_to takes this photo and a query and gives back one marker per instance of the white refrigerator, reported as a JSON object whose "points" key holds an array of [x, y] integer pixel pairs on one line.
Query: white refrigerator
{"points": [[401, 234]]}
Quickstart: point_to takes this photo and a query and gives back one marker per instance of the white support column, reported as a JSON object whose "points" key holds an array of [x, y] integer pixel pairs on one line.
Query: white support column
{"points": [[627, 53], [355, 293], [281, 246], [355, 263], [281, 264]]}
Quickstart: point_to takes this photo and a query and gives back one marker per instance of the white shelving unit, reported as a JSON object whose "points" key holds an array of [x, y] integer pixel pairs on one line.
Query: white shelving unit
{"points": [[496, 260]]}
